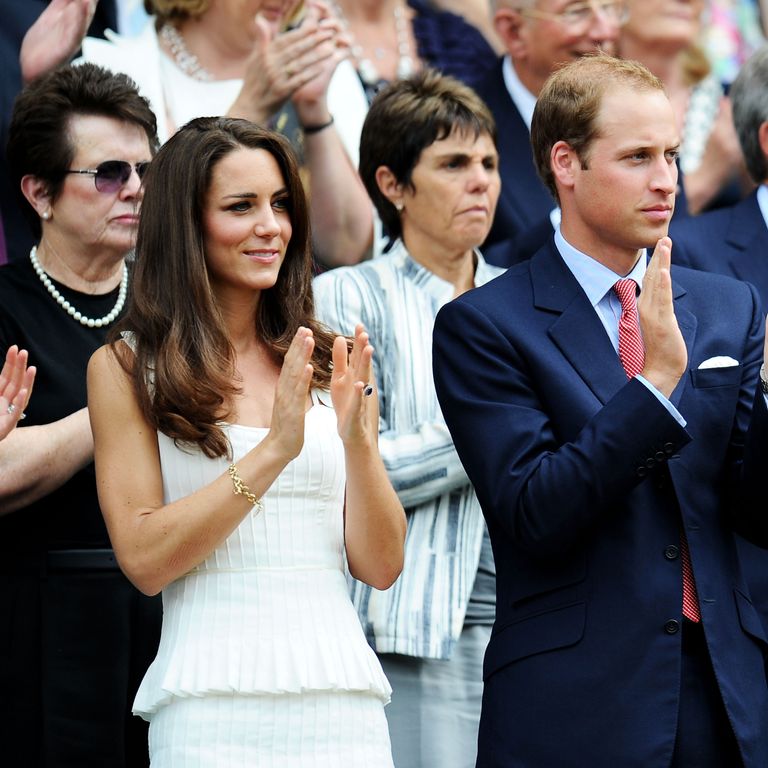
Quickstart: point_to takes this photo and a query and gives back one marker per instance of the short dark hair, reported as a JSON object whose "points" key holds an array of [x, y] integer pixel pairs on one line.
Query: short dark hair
{"points": [[407, 117], [749, 97], [38, 137], [569, 103]]}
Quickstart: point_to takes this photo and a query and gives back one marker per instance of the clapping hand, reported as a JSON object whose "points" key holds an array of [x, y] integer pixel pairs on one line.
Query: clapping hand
{"points": [[353, 389], [55, 37], [294, 64], [16, 381], [665, 353], [287, 429]]}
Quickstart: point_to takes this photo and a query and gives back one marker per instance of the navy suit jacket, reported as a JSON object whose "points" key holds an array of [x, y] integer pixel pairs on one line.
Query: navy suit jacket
{"points": [[524, 201], [729, 241], [583, 478]]}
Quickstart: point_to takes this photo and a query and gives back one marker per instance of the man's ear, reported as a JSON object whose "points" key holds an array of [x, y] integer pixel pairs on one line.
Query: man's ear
{"points": [[35, 190], [389, 186], [509, 25], [564, 163]]}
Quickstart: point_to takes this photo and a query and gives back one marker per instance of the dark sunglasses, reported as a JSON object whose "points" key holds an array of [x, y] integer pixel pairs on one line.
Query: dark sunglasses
{"points": [[112, 175]]}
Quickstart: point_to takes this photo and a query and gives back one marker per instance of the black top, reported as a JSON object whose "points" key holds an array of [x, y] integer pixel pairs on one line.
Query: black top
{"points": [[60, 347]]}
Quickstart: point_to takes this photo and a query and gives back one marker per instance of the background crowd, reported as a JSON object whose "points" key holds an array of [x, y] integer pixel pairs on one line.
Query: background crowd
{"points": [[271, 454]]}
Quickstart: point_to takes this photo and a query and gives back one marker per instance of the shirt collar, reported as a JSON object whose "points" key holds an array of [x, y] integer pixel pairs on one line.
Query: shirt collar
{"points": [[595, 279], [428, 281], [522, 98]]}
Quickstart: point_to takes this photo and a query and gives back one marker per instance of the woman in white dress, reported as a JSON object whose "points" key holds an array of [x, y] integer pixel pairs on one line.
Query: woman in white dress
{"points": [[238, 469]]}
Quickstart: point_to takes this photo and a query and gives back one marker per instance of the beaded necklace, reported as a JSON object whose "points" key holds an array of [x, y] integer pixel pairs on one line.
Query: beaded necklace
{"points": [[68, 308]]}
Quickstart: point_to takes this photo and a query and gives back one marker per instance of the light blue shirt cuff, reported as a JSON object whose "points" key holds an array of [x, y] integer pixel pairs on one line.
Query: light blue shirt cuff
{"points": [[663, 400]]}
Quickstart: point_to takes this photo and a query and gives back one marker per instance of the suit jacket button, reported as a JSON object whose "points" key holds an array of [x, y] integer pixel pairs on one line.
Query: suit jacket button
{"points": [[642, 471], [669, 449], [672, 626], [650, 463], [660, 456], [671, 552]]}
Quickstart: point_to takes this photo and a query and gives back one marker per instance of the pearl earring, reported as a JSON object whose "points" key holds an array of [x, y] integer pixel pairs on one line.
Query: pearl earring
{"points": [[399, 207], [46, 215]]}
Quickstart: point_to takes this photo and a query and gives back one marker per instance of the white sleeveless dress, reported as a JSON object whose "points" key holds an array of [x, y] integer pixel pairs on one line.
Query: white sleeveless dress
{"points": [[262, 659]]}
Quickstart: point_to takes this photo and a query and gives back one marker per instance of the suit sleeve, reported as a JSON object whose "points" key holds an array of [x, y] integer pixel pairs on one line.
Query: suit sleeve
{"points": [[548, 495]]}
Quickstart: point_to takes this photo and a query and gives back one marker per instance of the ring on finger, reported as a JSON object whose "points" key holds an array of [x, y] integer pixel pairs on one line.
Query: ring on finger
{"points": [[367, 390], [10, 409]]}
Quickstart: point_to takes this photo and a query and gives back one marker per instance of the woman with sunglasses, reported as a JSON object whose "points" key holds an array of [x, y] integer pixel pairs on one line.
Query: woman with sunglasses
{"points": [[273, 62], [77, 635]]}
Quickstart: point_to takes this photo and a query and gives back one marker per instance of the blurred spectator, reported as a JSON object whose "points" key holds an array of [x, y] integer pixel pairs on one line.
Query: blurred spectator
{"points": [[538, 35], [663, 35], [229, 57], [17, 18], [78, 634], [428, 159], [734, 240], [732, 31]]}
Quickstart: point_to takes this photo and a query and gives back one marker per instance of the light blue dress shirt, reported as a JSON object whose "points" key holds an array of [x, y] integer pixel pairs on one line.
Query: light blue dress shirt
{"points": [[597, 281]]}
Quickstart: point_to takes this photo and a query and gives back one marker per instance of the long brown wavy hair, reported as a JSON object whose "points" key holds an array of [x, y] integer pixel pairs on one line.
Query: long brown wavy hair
{"points": [[183, 369]]}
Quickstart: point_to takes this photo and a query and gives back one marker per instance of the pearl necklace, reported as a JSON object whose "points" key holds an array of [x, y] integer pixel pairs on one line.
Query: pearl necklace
{"points": [[68, 308], [365, 67], [187, 62]]}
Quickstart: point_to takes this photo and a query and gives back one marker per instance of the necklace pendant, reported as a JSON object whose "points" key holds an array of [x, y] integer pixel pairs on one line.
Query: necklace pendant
{"points": [[404, 67], [368, 72]]}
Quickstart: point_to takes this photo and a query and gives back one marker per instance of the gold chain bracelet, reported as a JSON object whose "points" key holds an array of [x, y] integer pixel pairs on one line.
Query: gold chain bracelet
{"points": [[241, 489]]}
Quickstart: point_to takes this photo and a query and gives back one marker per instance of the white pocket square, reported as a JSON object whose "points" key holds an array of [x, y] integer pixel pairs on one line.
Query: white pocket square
{"points": [[721, 361]]}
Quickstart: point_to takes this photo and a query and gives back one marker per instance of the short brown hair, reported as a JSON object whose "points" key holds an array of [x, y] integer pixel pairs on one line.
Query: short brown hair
{"points": [[407, 117], [570, 101], [38, 140]]}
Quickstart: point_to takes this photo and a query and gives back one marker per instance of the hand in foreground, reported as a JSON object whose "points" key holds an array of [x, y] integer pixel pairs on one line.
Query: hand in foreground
{"points": [[287, 430], [16, 381], [309, 99], [665, 354], [55, 37], [282, 63], [357, 413]]}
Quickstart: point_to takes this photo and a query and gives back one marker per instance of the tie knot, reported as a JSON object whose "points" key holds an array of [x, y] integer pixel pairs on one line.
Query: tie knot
{"points": [[626, 290]]}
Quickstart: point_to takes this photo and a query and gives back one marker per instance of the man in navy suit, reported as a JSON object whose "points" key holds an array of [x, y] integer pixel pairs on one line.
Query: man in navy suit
{"points": [[614, 469], [539, 36], [734, 241]]}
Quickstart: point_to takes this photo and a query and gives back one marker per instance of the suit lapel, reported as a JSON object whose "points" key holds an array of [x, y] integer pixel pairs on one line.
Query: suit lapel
{"points": [[687, 323], [577, 330]]}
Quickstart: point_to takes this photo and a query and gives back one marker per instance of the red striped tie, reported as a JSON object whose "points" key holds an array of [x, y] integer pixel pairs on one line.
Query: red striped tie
{"points": [[631, 350], [632, 356]]}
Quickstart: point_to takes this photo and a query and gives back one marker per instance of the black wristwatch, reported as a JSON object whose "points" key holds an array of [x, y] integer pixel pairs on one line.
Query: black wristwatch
{"points": [[763, 381]]}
